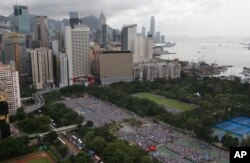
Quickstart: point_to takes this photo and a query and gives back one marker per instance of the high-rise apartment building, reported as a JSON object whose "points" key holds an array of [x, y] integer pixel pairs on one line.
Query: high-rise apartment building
{"points": [[74, 19], [22, 19], [77, 42], [41, 32], [64, 77], [143, 48], [115, 66], [143, 31], [42, 68], [128, 37], [15, 54], [162, 39], [152, 26], [158, 37], [9, 81]]}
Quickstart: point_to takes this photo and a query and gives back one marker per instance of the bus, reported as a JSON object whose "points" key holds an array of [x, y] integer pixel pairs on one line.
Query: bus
{"points": [[61, 141]]}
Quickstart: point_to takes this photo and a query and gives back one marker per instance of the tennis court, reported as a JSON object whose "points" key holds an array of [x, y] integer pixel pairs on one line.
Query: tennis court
{"points": [[237, 125]]}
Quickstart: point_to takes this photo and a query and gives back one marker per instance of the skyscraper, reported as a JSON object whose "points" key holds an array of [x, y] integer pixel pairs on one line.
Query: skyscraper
{"points": [[64, 77], [42, 68], [22, 19], [152, 26], [158, 37], [143, 48], [128, 37], [74, 19], [77, 50], [16, 55], [9, 81], [41, 31], [162, 39], [143, 31], [103, 28]]}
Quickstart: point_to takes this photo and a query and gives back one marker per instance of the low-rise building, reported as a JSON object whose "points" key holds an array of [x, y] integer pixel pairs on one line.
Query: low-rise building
{"points": [[153, 69]]}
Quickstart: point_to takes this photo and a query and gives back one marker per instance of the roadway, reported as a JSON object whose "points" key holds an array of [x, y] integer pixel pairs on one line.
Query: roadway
{"points": [[39, 101], [59, 130]]}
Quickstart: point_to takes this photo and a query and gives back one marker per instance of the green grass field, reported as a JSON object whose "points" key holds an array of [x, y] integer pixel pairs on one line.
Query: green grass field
{"points": [[40, 160], [165, 101]]}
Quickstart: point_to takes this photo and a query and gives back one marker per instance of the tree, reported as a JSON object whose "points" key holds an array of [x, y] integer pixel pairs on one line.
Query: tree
{"points": [[13, 147], [82, 158], [20, 114], [228, 141], [99, 143], [51, 137], [63, 150], [89, 124]]}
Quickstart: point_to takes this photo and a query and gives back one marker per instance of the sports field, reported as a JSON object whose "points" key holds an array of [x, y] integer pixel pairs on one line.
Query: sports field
{"points": [[39, 157], [165, 101]]}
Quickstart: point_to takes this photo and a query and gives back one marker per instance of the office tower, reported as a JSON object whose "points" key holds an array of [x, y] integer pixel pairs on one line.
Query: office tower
{"points": [[115, 66], [104, 33], [152, 26], [60, 38], [41, 31], [162, 39], [143, 49], [22, 19], [116, 35], [64, 77], [158, 37], [9, 81], [77, 50], [16, 55], [143, 31], [103, 29], [128, 36], [74, 19], [42, 68]]}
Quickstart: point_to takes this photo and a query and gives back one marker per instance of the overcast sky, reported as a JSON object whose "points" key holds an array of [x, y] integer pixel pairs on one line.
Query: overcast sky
{"points": [[173, 17]]}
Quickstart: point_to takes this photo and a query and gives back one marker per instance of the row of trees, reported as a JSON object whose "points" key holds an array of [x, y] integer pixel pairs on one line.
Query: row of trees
{"points": [[11, 147], [62, 115], [113, 150], [34, 124]]}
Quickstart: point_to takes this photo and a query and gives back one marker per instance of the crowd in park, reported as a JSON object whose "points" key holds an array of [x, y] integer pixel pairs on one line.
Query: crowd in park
{"points": [[98, 111], [145, 135]]}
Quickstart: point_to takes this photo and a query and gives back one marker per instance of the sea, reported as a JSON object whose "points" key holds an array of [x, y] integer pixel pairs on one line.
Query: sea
{"points": [[224, 53]]}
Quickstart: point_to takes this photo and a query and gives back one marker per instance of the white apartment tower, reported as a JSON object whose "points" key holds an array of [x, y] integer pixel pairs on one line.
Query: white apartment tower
{"points": [[64, 77], [9, 80], [143, 48], [77, 50], [42, 68]]}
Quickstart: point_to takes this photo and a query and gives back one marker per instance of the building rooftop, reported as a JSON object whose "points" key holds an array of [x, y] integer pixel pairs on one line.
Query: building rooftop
{"points": [[110, 51]]}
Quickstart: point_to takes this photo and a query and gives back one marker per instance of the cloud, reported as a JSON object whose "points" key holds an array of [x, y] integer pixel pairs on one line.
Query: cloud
{"points": [[173, 17]]}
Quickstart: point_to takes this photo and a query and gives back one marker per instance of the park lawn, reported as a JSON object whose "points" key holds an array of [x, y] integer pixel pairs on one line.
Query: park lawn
{"points": [[165, 101], [40, 160]]}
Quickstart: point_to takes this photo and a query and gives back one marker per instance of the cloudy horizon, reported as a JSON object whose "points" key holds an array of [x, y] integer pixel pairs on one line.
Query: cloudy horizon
{"points": [[194, 18]]}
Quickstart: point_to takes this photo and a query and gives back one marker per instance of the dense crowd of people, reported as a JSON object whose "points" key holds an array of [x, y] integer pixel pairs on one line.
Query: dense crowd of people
{"points": [[97, 111], [149, 133]]}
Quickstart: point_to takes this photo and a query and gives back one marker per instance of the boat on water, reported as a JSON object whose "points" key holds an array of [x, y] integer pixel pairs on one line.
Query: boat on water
{"points": [[246, 69]]}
